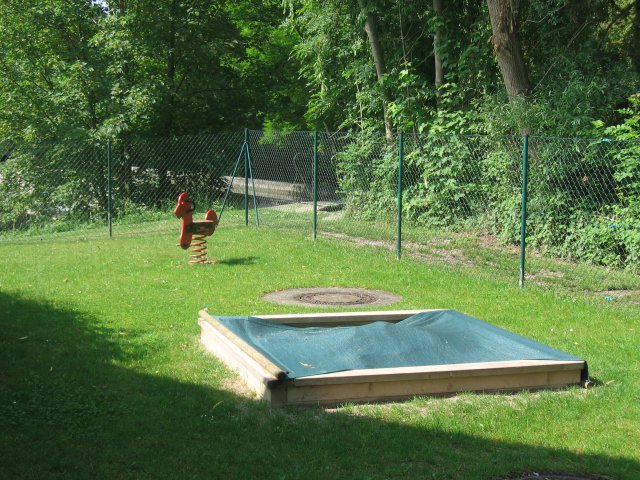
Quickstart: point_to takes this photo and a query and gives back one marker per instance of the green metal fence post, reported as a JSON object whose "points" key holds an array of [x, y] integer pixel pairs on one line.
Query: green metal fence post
{"points": [[109, 221], [246, 178], [253, 186], [315, 183], [400, 162], [523, 213], [233, 177]]}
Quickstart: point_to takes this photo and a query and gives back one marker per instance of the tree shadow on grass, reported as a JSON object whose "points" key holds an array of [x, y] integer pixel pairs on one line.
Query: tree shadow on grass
{"points": [[69, 411]]}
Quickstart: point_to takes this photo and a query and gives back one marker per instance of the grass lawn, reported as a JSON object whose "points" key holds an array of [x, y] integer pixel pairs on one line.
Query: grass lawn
{"points": [[102, 374]]}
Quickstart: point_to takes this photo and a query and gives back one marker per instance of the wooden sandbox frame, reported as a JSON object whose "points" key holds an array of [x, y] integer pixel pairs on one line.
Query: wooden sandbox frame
{"points": [[375, 385]]}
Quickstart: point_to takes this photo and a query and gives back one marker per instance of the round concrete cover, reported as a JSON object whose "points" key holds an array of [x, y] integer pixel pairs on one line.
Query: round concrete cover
{"points": [[332, 297]]}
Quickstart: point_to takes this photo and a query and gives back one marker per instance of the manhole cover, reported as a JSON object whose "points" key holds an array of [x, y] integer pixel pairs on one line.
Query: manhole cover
{"points": [[332, 297]]}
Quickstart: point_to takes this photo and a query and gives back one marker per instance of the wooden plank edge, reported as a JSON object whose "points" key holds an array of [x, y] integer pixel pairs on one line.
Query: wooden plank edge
{"points": [[251, 372], [251, 352], [337, 394], [482, 369], [228, 352], [342, 318]]}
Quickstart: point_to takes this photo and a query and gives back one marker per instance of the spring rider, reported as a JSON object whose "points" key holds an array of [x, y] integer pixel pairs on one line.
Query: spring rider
{"points": [[197, 230]]}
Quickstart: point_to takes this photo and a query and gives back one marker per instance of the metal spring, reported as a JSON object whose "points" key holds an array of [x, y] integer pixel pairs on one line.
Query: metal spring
{"points": [[198, 249]]}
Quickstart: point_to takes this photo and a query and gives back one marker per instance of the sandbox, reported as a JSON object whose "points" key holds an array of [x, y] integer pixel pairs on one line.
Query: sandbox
{"points": [[333, 358]]}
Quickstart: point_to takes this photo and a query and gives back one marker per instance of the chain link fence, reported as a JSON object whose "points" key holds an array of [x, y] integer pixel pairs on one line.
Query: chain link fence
{"points": [[456, 200], [51, 188], [147, 175]]}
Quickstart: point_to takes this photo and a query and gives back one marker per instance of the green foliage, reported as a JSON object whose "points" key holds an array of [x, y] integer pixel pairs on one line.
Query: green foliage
{"points": [[628, 158], [83, 69], [446, 181], [53, 83], [603, 241], [623, 226], [502, 182], [367, 173], [581, 202], [566, 108], [269, 89], [65, 181], [332, 53], [574, 59]]}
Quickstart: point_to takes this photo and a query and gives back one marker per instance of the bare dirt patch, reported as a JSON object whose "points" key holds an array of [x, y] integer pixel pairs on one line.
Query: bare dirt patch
{"points": [[629, 296], [554, 476], [454, 257], [360, 241], [235, 385], [544, 277], [430, 252]]}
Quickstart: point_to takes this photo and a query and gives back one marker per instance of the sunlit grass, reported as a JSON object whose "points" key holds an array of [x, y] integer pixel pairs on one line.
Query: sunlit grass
{"points": [[102, 375]]}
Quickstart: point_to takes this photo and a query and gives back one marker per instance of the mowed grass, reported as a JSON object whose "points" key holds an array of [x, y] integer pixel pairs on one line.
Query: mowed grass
{"points": [[102, 374]]}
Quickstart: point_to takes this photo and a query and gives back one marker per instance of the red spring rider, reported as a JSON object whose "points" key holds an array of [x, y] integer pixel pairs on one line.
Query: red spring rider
{"points": [[198, 229]]}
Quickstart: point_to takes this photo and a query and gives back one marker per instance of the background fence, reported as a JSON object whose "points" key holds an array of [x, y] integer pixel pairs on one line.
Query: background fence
{"points": [[427, 195]]}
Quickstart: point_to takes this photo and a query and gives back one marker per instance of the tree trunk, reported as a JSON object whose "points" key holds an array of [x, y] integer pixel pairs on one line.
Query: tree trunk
{"points": [[122, 155], [167, 126], [167, 160], [439, 71], [635, 50], [371, 27], [506, 45]]}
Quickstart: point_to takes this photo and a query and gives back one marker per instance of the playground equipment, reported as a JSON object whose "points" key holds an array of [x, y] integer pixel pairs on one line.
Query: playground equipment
{"points": [[194, 233], [303, 359]]}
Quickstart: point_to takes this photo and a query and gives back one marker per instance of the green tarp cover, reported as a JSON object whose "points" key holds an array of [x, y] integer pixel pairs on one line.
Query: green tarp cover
{"points": [[439, 337]]}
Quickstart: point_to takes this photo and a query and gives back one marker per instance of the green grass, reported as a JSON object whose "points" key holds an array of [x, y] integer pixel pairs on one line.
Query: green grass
{"points": [[102, 375], [486, 256]]}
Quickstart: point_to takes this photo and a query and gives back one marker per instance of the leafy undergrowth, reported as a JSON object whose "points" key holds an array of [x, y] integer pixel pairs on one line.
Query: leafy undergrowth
{"points": [[102, 375]]}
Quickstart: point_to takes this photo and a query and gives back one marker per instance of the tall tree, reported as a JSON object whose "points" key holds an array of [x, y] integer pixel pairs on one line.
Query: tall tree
{"points": [[169, 64], [271, 94], [506, 45], [371, 27], [635, 42], [437, 41], [52, 81]]}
